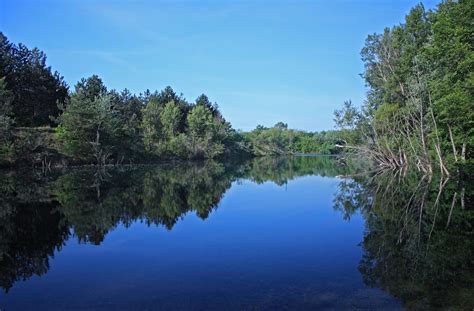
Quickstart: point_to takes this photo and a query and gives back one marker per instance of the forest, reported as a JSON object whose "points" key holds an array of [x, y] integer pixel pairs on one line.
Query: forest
{"points": [[419, 110], [418, 113], [106, 190], [43, 122]]}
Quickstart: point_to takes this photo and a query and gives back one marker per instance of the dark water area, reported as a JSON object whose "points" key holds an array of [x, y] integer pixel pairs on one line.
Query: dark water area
{"points": [[301, 233]]}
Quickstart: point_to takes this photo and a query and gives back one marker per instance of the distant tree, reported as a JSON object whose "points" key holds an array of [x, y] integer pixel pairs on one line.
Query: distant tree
{"points": [[281, 140], [165, 96], [281, 126], [203, 100], [91, 88]]}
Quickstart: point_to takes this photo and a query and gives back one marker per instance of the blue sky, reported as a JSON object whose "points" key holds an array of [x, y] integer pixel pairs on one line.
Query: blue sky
{"points": [[261, 61]]}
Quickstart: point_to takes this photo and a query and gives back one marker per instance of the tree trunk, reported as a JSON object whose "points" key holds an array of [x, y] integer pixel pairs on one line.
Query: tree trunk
{"points": [[437, 142], [423, 138], [452, 143], [463, 152], [451, 210]]}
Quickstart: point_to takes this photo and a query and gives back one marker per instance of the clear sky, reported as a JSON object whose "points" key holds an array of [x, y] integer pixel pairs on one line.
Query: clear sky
{"points": [[261, 61]]}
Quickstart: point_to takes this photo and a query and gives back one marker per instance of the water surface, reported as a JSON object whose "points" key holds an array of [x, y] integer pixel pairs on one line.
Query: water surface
{"points": [[266, 234]]}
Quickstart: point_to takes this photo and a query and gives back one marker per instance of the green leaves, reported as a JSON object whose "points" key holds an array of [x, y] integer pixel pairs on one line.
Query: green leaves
{"points": [[420, 105], [199, 121], [178, 129], [151, 126], [36, 89], [171, 116], [281, 140], [89, 126]]}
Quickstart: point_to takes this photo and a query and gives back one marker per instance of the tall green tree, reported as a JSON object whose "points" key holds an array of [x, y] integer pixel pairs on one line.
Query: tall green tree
{"points": [[152, 128], [451, 55], [35, 87], [89, 125], [171, 117], [128, 106], [204, 133], [419, 109]]}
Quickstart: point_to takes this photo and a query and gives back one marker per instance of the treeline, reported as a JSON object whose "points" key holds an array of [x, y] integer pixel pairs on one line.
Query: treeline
{"points": [[43, 122], [97, 125], [419, 109], [279, 139]]}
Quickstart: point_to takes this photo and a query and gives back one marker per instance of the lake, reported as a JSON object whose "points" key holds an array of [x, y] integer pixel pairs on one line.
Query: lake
{"points": [[301, 233]]}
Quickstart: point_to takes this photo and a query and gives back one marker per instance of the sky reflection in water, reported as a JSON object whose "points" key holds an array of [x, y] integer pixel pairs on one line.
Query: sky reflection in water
{"points": [[268, 237]]}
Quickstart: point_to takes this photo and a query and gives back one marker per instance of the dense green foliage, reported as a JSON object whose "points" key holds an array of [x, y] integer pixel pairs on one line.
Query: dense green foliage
{"points": [[419, 110], [279, 139], [173, 127], [420, 105], [36, 90], [89, 125], [101, 126], [95, 125]]}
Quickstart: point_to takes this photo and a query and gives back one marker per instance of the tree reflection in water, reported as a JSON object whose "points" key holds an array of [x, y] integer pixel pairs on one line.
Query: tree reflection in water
{"points": [[39, 213], [418, 242]]}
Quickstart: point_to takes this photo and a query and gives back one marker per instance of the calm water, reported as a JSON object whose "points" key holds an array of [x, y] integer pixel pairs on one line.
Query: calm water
{"points": [[267, 234]]}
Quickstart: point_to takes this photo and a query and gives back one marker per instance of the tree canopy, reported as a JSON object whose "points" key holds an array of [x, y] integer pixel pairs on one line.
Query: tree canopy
{"points": [[419, 109], [36, 89]]}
